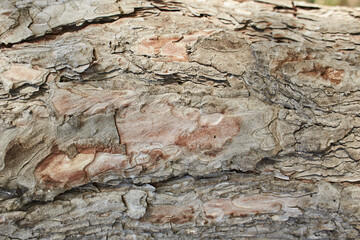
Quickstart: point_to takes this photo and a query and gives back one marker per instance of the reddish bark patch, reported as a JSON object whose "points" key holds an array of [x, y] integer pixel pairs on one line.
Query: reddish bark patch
{"points": [[7, 13], [289, 57], [105, 162], [18, 75], [172, 52], [218, 208], [158, 126], [90, 102], [330, 74], [157, 154], [169, 48], [58, 170], [333, 75], [153, 45], [166, 46], [89, 148], [155, 123], [246, 205], [169, 214], [211, 137]]}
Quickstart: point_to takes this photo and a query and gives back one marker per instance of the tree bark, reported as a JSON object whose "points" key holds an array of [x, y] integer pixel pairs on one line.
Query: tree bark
{"points": [[179, 119]]}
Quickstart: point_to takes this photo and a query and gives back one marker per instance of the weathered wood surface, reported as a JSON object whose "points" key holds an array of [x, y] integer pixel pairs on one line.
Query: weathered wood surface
{"points": [[179, 119]]}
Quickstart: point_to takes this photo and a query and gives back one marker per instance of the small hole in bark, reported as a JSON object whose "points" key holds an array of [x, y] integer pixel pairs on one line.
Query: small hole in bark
{"points": [[214, 136]]}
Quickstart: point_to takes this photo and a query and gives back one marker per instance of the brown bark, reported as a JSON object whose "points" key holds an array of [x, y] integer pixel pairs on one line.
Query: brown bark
{"points": [[179, 119]]}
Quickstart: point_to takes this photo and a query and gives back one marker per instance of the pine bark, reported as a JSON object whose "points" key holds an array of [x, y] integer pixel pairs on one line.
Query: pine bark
{"points": [[179, 120]]}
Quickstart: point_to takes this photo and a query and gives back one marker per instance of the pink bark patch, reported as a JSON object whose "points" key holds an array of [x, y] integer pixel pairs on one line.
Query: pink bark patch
{"points": [[169, 48], [18, 75], [210, 137], [169, 214], [163, 124], [333, 75], [107, 161], [154, 123], [70, 101], [247, 205], [59, 170]]}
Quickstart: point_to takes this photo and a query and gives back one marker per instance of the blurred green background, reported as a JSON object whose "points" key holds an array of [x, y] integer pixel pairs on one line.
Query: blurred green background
{"points": [[350, 3]]}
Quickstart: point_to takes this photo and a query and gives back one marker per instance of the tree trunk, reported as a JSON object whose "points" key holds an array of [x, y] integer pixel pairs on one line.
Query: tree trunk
{"points": [[179, 119]]}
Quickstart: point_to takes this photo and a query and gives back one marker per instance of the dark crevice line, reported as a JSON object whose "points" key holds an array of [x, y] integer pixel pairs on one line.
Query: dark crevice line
{"points": [[73, 27], [96, 187], [116, 112]]}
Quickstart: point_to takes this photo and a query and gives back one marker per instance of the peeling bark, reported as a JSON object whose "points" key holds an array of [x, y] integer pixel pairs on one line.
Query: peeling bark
{"points": [[179, 119]]}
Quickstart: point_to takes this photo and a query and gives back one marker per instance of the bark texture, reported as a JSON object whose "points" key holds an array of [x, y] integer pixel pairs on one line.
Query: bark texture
{"points": [[179, 119]]}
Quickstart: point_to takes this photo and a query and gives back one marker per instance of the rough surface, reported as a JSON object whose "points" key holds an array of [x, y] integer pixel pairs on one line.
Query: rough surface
{"points": [[179, 119]]}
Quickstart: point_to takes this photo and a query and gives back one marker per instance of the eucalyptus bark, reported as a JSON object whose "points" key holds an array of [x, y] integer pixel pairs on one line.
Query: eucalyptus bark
{"points": [[179, 119]]}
